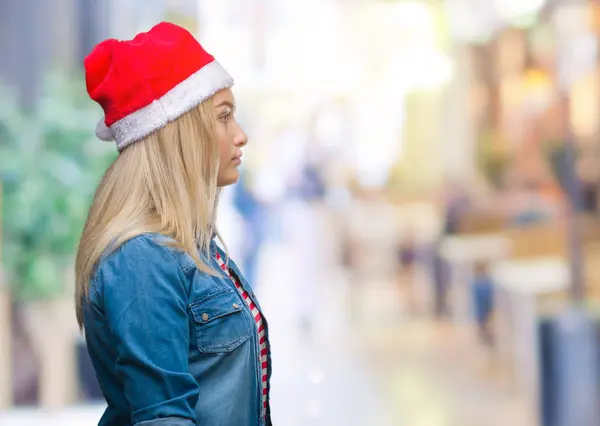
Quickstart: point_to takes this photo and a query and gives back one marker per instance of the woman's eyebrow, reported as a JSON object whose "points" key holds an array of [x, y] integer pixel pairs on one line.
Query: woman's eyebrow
{"points": [[226, 103]]}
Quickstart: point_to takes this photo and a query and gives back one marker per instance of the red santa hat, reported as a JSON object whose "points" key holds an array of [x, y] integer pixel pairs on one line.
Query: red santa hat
{"points": [[145, 83]]}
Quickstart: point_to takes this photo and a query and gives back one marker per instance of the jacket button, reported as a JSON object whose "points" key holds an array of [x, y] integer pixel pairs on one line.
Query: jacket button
{"points": [[205, 317], [236, 306]]}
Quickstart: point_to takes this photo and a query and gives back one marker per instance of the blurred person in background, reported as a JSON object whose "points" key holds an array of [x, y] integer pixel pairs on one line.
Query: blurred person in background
{"points": [[407, 253], [253, 213], [174, 330], [305, 193], [455, 203], [588, 172], [482, 293], [440, 278]]}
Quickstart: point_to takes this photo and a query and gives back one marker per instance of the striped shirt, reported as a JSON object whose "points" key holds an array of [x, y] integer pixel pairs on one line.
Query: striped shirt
{"points": [[263, 361]]}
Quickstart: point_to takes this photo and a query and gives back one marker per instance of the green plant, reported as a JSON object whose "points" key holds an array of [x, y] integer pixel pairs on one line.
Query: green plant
{"points": [[49, 167], [494, 158], [555, 154]]}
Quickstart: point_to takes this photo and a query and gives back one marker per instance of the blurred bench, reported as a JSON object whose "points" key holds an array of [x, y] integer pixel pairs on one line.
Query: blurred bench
{"points": [[533, 281], [476, 222], [523, 288], [488, 239]]}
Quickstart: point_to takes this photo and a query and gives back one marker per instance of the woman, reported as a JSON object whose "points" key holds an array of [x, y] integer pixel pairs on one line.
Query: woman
{"points": [[173, 329]]}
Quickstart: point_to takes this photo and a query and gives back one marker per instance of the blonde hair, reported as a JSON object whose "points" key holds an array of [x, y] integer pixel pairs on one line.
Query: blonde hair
{"points": [[166, 184]]}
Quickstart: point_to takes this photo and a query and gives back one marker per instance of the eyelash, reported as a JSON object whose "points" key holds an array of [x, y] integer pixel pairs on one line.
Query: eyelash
{"points": [[225, 117]]}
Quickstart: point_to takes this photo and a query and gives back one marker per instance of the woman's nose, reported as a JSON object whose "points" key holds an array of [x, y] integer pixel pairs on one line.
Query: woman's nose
{"points": [[241, 139]]}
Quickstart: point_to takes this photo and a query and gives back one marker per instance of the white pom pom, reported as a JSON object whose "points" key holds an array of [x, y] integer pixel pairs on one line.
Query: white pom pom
{"points": [[103, 132]]}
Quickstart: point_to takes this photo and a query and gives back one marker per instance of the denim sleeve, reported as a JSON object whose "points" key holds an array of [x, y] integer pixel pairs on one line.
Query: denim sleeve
{"points": [[145, 303]]}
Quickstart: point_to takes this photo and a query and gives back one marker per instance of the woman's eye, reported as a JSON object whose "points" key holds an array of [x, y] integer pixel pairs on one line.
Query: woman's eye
{"points": [[225, 117]]}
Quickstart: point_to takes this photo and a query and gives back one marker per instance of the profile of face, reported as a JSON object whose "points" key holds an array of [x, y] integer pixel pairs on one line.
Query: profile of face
{"points": [[230, 137]]}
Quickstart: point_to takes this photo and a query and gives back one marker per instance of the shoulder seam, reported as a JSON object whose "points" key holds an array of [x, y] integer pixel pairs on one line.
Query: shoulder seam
{"points": [[169, 250]]}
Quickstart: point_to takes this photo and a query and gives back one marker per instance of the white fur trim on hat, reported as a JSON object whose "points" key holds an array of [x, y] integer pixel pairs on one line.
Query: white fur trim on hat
{"points": [[192, 91], [103, 133]]}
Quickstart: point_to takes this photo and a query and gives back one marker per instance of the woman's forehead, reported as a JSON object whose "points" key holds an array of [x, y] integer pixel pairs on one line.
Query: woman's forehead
{"points": [[224, 96]]}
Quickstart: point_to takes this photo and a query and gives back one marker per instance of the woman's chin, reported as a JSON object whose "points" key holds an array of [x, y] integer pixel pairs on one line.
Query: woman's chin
{"points": [[229, 178]]}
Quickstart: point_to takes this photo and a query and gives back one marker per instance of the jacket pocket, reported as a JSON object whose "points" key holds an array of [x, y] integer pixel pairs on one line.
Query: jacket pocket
{"points": [[219, 322]]}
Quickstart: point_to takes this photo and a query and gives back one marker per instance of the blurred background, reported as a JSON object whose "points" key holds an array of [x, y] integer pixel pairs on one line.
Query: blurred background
{"points": [[418, 208]]}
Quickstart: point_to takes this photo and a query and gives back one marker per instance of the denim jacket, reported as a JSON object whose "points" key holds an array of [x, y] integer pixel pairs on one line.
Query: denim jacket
{"points": [[171, 345]]}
